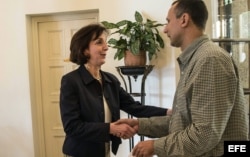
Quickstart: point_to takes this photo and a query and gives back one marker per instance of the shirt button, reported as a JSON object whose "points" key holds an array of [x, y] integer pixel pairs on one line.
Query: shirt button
{"points": [[182, 72]]}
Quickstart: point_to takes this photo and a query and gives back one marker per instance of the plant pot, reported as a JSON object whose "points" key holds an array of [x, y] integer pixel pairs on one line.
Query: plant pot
{"points": [[135, 60]]}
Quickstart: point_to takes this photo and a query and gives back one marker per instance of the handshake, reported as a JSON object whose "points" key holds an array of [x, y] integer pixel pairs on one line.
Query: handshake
{"points": [[124, 128], [127, 128]]}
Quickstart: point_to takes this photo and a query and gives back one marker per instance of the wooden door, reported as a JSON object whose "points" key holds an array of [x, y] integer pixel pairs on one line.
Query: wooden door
{"points": [[53, 38]]}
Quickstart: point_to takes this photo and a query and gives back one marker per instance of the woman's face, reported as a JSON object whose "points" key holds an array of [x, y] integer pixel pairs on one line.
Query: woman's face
{"points": [[97, 50]]}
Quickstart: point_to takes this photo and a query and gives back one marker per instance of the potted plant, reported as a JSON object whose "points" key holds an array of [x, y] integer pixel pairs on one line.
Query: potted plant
{"points": [[139, 37]]}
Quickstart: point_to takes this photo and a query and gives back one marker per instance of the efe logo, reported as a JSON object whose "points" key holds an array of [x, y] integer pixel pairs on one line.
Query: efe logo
{"points": [[240, 148]]}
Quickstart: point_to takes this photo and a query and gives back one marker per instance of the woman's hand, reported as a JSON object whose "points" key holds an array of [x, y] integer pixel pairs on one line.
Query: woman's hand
{"points": [[169, 112], [122, 130]]}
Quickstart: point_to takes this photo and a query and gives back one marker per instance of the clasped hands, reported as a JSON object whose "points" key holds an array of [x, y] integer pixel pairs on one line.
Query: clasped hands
{"points": [[124, 128]]}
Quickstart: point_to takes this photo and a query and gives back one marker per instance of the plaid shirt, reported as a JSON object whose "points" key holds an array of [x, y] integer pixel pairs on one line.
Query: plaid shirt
{"points": [[208, 108]]}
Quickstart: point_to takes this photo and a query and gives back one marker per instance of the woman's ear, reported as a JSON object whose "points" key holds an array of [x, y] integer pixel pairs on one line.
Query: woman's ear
{"points": [[86, 52]]}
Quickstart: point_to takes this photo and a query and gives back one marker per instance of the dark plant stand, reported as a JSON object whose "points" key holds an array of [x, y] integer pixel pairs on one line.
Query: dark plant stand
{"points": [[247, 91], [134, 72]]}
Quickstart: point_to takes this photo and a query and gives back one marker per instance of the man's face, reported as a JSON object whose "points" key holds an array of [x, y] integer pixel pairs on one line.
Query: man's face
{"points": [[173, 27]]}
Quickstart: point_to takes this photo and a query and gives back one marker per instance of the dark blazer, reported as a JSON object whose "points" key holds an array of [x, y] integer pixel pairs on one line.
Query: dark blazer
{"points": [[82, 112]]}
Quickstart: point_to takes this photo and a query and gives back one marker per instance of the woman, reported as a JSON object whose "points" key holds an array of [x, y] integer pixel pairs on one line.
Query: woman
{"points": [[91, 99]]}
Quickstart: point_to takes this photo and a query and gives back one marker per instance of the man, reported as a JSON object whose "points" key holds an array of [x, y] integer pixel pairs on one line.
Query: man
{"points": [[209, 106]]}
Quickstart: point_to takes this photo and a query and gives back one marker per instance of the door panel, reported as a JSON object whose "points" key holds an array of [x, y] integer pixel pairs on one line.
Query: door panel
{"points": [[53, 41]]}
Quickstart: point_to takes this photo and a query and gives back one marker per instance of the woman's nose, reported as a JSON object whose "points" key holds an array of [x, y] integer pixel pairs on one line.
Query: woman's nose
{"points": [[106, 47]]}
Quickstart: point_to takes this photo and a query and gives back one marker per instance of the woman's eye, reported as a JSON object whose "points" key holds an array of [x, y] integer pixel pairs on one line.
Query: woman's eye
{"points": [[99, 41]]}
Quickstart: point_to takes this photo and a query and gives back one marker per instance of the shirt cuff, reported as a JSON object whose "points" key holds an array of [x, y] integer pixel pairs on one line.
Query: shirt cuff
{"points": [[159, 146]]}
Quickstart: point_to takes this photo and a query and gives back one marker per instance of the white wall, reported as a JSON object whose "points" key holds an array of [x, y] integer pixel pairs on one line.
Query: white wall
{"points": [[15, 110], [16, 138]]}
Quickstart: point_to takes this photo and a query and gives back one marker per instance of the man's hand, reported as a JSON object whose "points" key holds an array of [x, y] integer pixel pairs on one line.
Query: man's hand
{"points": [[132, 129], [144, 148], [132, 122], [169, 112], [122, 130]]}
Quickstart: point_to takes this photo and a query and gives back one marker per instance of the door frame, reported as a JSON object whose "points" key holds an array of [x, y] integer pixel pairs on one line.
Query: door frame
{"points": [[32, 22]]}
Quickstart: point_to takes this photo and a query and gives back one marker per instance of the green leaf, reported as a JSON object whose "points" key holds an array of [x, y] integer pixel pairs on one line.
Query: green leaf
{"points": [[135, 47], [109, 25], [116, 54], [151, 54], [124, 30], [118, 31], [120, 54], [122, 23], [149, 30], [112, 41], [138, 17], [121, 44], [157, 25], [160, 40]]}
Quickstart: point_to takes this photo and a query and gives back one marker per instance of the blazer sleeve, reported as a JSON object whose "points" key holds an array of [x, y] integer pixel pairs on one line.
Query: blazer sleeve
{"points": [[135, 108]]}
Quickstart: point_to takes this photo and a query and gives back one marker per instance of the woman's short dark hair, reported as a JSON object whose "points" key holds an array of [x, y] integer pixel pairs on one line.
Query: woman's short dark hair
{"points": [[81, 39], [195, 8]]}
